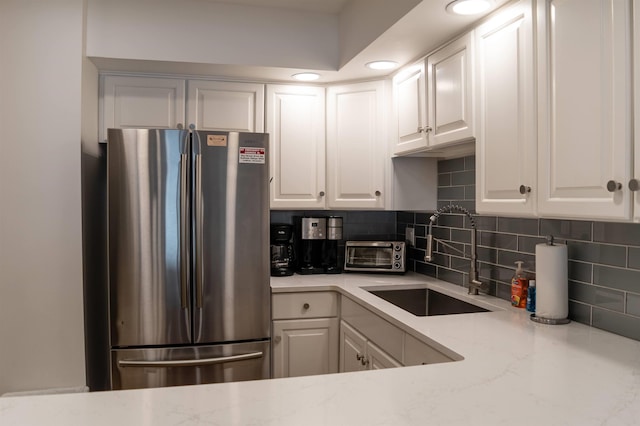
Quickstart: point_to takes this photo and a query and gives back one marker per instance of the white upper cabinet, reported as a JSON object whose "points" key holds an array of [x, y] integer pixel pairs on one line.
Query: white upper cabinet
{"points": [[296, 127], [227, 106], [585, 128], [634, 182], [410, 109], [506, 145], [450, 92], [147, 102], [356, 145]]}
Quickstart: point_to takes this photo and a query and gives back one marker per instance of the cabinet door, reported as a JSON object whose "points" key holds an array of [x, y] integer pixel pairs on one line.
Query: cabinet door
{"points": [[633, 183], [410, 109], [305, 347], [506, 145], [353, 347], [378, 359], [584, 111], [449, 88], [356, 151], [220, 105], [296, 125], [141, 102]]}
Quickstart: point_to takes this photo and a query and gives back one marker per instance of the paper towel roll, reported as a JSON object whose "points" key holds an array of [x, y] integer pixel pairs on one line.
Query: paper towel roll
{"points": [[552, 284]]}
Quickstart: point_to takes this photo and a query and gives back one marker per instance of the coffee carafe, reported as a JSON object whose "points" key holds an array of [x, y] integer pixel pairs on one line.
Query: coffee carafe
{"points": [[282, 251]]}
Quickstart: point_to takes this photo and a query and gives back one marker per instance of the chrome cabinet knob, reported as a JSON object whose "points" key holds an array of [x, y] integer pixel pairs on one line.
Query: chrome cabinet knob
{"points": [[613, 186], [525, 189], [420, 129], [378, 193], [321, 193], [427, 129], [359, 357], [306, 306], [365, 361], [634, 184], [277, 339]]}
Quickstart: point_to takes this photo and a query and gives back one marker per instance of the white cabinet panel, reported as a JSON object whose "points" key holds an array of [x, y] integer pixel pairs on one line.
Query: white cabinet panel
{"points": [[449, 85], [296, 124], [506, 145], [353, 346], [356, 150], [378, 359], [146, 102], [410, 110], [227, 106], [634, 183], [305, 347], [585, 116]]}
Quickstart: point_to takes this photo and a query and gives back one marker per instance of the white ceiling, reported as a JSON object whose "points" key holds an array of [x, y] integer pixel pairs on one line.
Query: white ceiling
{"points": [[414, 34]]}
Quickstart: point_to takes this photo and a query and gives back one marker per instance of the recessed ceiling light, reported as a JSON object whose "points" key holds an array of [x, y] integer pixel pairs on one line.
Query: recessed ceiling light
{"points": [[382, 65], [468, 7], [306, 76]]}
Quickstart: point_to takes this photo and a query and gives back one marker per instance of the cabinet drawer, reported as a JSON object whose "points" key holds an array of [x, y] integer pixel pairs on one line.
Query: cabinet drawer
{"points": [[419, 353], [388, 337], [304, 305]]}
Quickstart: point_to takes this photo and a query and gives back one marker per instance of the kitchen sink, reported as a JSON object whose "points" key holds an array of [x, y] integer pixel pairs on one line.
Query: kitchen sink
{"points": [[426, 302]]}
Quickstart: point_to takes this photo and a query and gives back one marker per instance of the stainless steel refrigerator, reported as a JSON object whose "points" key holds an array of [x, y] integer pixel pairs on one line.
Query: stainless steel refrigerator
{"points": [[188, 237]]}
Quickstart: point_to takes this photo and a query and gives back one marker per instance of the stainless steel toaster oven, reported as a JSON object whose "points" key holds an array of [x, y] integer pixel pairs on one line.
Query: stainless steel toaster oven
{"points": [[375, 256]]}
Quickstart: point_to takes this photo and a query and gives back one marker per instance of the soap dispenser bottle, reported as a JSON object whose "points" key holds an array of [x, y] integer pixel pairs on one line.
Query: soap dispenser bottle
{"points": [[519, 285]]}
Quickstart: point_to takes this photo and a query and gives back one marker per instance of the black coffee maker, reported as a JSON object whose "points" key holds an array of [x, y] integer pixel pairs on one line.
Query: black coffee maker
{"points": [[282, 252], [318, 244]]}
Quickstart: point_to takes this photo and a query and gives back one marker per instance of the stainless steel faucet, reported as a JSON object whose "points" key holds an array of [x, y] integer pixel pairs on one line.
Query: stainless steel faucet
{"points": [[474, 283]]}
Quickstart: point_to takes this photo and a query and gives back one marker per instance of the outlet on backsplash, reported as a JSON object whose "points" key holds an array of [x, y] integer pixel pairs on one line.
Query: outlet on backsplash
{"points": [[410, 236]]}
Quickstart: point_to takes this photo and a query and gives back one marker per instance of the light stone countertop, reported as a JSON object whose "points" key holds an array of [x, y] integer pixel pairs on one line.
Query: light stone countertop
{"points": [[514, 371]]}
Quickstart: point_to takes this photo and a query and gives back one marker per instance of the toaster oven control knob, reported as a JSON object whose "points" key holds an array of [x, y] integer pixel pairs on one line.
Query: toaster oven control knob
{"points": [[397, 247], [397, 256], [396, 265]]}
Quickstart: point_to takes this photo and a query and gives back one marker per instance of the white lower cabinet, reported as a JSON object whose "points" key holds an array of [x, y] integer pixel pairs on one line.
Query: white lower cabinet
{"points": [[357, 353], [305, 347], [311, 335], [305, 334]]}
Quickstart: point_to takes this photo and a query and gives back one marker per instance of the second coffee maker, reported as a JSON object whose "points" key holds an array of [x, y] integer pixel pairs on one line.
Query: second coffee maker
{"points": [[318, 244]]}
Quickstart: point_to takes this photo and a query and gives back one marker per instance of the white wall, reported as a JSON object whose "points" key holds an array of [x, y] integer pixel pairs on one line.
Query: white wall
{"points": [[211, 33], [41, 314]]}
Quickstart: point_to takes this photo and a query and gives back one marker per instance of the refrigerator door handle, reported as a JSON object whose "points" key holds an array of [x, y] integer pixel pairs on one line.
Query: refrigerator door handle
{"points": [[184, 232], [189, 362], [199, 230]]}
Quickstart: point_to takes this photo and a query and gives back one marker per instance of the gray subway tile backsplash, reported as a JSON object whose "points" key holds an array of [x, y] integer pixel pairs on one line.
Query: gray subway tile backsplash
{"points": [[568, 229], [604, 258], [625, 325], [617, 233], [597, 253]]}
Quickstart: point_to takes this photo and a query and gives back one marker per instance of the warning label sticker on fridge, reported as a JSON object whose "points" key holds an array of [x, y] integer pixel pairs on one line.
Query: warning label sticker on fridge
{"points": [[251, 155]]}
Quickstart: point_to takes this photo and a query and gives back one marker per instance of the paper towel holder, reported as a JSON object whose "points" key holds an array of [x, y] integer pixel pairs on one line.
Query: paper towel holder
{"points": [[549, 321]]}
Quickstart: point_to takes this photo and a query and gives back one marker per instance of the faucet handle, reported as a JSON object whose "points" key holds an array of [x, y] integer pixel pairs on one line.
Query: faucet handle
{"points": [[475, 285]]}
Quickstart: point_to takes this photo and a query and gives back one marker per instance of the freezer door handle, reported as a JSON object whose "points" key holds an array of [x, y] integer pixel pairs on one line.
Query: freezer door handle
{"points": [[184, 232], [189, 362]]}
